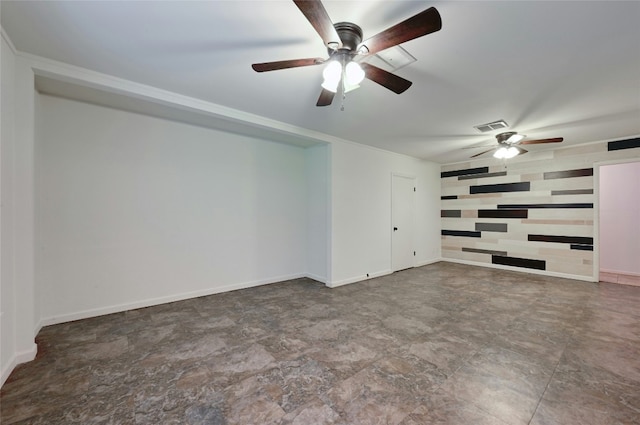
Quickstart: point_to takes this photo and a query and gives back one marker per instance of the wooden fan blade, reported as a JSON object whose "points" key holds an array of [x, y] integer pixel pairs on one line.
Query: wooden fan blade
{"points": [[423, 23], [318, 17], [478, 146], [535, 142], [294, 63], [386, 79], [482, 153], [326, 97]]}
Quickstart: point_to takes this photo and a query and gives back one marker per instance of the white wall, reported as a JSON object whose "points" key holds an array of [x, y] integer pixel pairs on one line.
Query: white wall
{"points": [[7, 306], [318, 207], [620, 218], [127, 210], [361, 210], [134, 210], [19, 321]]}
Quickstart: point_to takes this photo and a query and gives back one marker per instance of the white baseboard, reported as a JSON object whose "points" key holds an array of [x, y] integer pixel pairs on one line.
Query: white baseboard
{"points": [[244, 285], [26, 356], [317, 278], [427, 262], [85, 314], [18, 358], [374, 275], [522, 270], [620, 272], [355, 279]]}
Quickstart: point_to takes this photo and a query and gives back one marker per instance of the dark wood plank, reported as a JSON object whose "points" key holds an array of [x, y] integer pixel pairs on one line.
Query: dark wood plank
{"points": [[326, 97], [561, 239], [540, 141], [464, 172], [491, 227], [624, 144], [293, 63], [451, 213], [485, 251], [385, 79], [522, 213], [318, 17], [423, 23], [538, 206], [583, 172], [464, 233], [581, 247], [499, 188], [519, 262], [482, 176]]}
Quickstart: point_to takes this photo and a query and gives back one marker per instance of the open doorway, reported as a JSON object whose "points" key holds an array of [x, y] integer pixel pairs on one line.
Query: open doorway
{"points": [[619, 223]]}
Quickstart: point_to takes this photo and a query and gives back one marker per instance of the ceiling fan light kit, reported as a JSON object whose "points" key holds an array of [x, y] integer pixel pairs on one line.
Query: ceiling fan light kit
{"points": [[354, 73], [506, 153], [332, 74], [345, 48], [350, 74]]}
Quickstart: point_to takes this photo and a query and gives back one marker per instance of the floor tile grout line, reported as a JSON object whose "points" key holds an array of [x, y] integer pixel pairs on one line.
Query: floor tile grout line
{"points": [[548, 383], [466, 362]]}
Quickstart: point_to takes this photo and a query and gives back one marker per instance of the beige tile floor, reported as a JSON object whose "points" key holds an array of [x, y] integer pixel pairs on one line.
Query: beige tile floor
{"points": [[440, 344]]}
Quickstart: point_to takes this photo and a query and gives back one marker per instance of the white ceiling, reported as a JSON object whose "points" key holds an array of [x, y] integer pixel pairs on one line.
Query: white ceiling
{"points": [[549, 68]]}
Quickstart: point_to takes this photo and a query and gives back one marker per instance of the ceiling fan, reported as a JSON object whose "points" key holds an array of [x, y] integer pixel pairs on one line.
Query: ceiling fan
{"points": [[509, 145], [345, 47]]}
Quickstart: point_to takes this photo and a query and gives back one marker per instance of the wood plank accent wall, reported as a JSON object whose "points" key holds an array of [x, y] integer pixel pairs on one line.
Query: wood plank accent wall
{"points": [[532, 212]]}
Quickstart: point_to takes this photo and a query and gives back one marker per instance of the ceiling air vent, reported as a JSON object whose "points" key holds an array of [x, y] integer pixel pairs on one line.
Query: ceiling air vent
{"points": [[496, 125], [391, 59]]}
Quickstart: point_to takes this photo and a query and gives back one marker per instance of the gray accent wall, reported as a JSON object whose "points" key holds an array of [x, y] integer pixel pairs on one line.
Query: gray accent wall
{"points": [[534, 212]]}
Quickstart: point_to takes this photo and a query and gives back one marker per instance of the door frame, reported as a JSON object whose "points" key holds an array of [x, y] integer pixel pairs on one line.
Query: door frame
{"points": [[413, 216]]}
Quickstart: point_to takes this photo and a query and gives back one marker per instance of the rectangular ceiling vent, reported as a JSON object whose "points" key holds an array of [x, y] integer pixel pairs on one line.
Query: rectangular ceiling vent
{"points": [[496, 125], [391, 59]]}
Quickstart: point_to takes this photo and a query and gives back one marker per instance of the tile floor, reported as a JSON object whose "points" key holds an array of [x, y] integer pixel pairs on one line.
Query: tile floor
{"points": [[440, 344]]}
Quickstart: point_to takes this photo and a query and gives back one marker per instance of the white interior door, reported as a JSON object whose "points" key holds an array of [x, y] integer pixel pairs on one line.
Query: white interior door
{"points": [[402, 222]]}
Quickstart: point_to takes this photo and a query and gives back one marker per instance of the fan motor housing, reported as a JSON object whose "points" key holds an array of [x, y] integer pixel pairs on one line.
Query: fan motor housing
{"points": [[503, 137], [350, 35]]}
